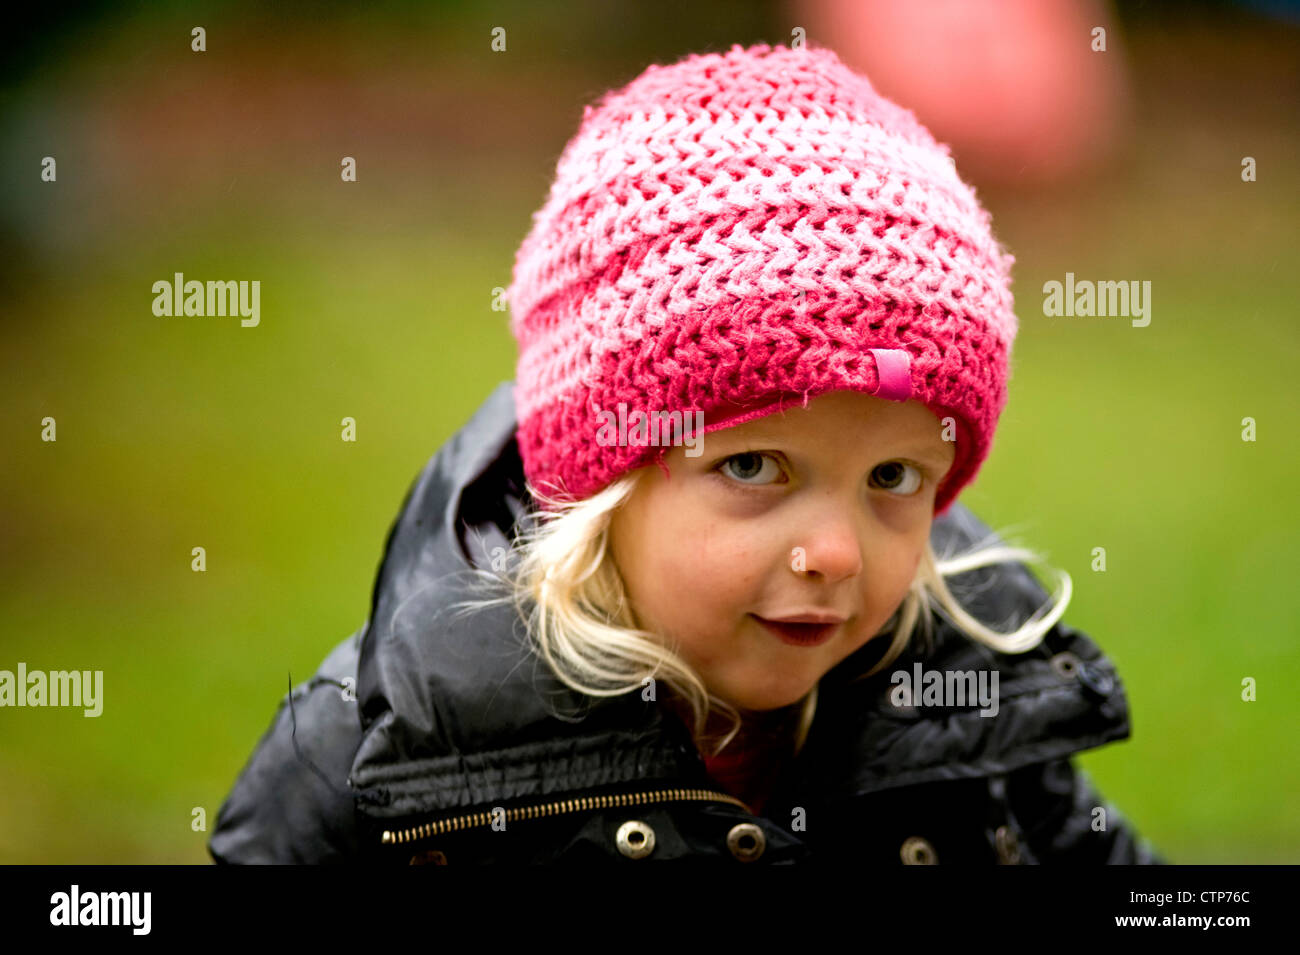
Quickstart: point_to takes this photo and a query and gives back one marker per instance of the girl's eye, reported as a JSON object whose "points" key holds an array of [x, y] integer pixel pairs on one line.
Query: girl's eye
{"points": [[749, 466], [894, 476], [755, 468]]}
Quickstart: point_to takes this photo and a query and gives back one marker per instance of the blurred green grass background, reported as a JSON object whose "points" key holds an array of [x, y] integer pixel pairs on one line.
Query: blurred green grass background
{"points": [[175, 433]]}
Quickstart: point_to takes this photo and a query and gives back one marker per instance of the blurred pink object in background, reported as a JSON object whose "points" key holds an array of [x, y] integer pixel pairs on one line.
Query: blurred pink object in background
{"points": [[1014, 86]]}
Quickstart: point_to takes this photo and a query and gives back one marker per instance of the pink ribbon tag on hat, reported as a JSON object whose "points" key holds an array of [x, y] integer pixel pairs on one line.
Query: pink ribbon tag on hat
{"points": [[894, 369]]}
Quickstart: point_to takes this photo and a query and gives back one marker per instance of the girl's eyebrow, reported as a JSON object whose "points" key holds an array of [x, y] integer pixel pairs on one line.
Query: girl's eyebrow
{"points": [[747, 437], [932, 456], [930, 453], [925, 451]]}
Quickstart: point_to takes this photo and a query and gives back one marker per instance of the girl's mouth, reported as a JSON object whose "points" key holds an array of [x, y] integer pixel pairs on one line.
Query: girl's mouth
{"points": [[800, 634]]}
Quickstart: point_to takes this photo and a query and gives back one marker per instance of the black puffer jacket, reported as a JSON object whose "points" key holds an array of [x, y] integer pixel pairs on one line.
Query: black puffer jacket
{"points": [[431, 737]]}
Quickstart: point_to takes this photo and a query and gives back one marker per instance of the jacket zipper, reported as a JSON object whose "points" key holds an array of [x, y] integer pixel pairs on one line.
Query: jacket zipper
{"points": [[440, 827]]}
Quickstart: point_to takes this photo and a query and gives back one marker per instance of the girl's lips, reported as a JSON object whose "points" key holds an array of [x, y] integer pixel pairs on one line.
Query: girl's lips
{"points": [[800, 634]]}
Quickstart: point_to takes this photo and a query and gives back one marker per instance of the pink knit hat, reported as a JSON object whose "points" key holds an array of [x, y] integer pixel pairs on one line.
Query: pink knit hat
{"points": [[738, 231]]}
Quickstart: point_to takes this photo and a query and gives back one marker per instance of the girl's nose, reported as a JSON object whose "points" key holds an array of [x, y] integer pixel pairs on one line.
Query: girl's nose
{"points": [[832, 551]]}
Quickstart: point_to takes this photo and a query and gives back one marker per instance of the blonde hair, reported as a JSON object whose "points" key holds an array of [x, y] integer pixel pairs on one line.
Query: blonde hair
{"points": [[565, 586]]}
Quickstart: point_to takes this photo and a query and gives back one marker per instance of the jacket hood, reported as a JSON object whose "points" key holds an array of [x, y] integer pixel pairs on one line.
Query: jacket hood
{"points": [[456, 711]]}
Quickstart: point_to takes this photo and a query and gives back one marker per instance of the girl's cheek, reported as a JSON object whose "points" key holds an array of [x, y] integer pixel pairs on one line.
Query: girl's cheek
{"points": [[889, 585], [729, 563]]}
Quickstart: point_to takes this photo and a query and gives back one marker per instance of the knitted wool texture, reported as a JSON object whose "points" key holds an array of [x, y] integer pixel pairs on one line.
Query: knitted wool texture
{"points": [[746, 228]]}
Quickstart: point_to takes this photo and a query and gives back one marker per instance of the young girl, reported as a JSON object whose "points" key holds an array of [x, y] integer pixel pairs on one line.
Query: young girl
{"points": [[690, 587]]}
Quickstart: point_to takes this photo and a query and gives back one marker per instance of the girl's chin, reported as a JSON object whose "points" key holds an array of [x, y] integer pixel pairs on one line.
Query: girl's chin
{"points": [[769, 702]]}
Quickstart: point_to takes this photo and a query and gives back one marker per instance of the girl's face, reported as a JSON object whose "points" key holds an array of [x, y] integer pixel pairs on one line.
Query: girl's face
{"points": [[824, 509]]}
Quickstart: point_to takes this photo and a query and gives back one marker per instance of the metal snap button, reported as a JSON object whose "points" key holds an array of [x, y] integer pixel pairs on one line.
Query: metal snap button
{"points": [[635, 839], [1066, 664], [1008, 846], [746, 841], [918, 851]]}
